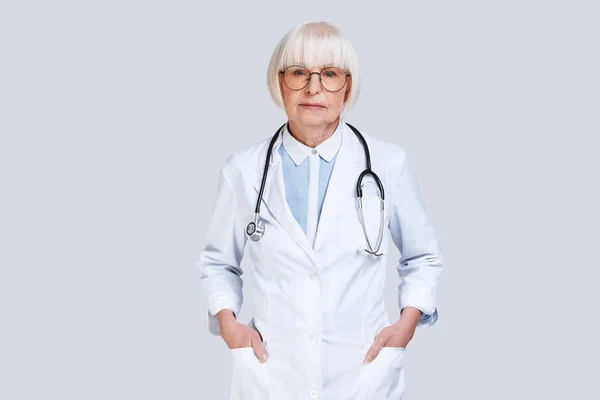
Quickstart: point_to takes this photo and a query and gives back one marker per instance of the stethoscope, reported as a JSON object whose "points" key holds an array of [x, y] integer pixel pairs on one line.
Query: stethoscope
{"points": [[256, 229]]}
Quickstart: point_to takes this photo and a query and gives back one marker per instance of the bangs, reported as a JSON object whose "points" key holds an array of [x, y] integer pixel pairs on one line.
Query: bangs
{"points": [[316, 46]]}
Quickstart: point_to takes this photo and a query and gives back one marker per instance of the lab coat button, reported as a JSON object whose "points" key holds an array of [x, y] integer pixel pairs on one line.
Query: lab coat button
{"points": [[313, 394], [312, 276], [312, 337]]}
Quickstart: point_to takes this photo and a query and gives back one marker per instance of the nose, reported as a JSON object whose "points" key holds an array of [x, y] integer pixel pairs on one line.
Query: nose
{"points": [[314, 85]]}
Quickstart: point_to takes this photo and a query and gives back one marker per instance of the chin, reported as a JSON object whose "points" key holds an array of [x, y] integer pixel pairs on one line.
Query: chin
{"points": [[314, 119]]}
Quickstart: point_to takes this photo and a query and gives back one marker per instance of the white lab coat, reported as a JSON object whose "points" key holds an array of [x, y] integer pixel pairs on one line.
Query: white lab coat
{"points": [[319, 308]]}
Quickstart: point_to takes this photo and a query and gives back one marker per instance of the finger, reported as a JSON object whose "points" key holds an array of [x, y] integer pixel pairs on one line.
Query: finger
{"points": [[259, 348], [378, 343], [372, 352]]}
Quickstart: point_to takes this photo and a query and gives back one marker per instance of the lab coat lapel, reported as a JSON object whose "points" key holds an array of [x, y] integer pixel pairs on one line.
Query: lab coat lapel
{"points": [[343, 180], [274, 198]]}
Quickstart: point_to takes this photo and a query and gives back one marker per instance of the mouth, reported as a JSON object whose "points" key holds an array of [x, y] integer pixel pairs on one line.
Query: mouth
{"points": [[312, 106]]}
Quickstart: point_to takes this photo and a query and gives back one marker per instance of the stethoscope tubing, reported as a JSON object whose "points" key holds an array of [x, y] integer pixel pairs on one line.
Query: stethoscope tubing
{"points": [[255, 229]]}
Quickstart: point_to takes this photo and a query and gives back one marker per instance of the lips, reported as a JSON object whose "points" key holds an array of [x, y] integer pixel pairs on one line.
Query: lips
{"points": [[312, 105]]}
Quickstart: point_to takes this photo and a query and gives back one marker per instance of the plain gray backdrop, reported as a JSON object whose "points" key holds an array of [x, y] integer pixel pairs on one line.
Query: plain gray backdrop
{"points": [[115, 117]]}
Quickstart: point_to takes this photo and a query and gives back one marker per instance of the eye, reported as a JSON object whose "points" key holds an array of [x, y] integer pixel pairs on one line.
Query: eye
{"points": [[299, 72]]}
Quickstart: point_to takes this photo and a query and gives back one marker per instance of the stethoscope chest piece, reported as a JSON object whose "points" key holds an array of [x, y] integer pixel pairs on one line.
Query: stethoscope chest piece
{"points": [[255, 229]]}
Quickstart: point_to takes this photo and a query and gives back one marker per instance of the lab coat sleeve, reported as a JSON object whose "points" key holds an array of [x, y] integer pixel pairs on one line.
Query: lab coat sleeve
{"points": [[221, 256], [421, 261]]}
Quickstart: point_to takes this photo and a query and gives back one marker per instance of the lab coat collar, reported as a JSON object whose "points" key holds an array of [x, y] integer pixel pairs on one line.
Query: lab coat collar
{"points": [[343, 180], [299, 151]]}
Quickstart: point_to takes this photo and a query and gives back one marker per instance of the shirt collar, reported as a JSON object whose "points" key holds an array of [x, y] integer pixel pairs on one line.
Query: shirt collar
{"points": [[299, 151]]}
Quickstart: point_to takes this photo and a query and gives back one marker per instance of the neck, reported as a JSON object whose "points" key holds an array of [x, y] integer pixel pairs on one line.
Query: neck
{"points": [[312, 135]]}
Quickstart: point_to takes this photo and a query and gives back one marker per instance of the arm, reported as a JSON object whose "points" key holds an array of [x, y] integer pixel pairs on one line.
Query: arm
{"points": [[222, 255], [421, 261]]}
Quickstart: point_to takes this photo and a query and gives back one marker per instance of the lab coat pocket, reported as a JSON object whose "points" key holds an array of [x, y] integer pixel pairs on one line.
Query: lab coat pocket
{"points": [[250, 379], [383, 378]]}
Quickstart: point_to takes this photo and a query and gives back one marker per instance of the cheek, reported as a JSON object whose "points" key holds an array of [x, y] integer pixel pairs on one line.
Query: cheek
{"points": [[289, 99], [336, 100]]}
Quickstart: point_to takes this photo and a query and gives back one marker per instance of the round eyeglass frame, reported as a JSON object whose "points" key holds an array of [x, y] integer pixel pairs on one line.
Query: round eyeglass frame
{"points": [[310, 74]]}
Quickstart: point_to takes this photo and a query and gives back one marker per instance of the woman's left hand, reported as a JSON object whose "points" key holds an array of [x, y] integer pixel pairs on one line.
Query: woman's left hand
{"points": [[396, 335]]}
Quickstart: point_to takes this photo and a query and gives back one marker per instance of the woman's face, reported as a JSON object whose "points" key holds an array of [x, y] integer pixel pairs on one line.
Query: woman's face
{"points": [[313, 105]]}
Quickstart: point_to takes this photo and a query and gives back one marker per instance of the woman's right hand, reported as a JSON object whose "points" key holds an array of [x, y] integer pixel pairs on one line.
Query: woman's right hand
{"points": [[237, 335]]}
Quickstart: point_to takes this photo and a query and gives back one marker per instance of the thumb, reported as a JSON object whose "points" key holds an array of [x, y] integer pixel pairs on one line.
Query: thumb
{"points": [[372, 352], [259, 348], [375, 347]]}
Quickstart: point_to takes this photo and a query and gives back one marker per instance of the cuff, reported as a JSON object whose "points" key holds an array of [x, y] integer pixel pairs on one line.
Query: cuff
{"points": [[422, 300], [216, 306], [426, 319]]}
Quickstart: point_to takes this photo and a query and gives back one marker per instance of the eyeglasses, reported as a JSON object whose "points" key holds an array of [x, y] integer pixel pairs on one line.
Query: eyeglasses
{"points": [[297, 77]]}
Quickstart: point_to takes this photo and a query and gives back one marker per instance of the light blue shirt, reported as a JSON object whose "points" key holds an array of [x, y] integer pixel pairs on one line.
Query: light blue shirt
{"points": [[296, 172]]}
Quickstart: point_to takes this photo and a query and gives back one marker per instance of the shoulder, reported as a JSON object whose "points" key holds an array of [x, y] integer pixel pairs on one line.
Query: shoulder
{"points": [[245, 160], [385, 148], [385, 154]]}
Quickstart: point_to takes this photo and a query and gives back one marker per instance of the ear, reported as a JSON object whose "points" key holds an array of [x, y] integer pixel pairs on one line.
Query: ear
{"points": [[346, 95], [280, 78], [348, 89]]}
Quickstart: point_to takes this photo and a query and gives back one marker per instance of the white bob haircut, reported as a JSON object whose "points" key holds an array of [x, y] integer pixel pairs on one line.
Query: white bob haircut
{"points": [[313, 44]]}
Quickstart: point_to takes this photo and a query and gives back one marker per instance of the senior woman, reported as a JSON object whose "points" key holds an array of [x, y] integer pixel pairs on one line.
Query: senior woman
{"points": [[307, 212]]}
